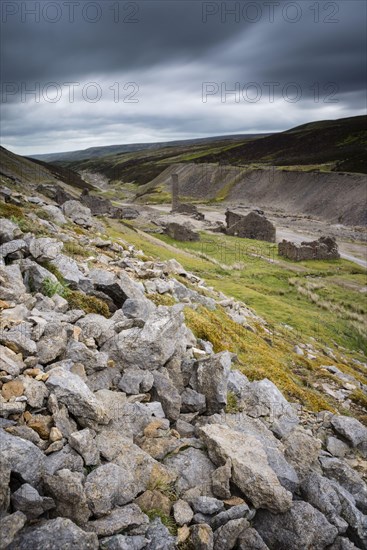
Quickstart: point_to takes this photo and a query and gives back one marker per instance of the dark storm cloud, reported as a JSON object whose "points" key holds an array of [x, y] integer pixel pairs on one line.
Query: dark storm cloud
{"points": [[301, 61]]}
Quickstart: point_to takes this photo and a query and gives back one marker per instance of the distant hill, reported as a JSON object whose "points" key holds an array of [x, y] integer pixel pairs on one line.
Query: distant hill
{"points": [[331, 145], [23, 171], [342, 142], [142, 166], [97, 152]]}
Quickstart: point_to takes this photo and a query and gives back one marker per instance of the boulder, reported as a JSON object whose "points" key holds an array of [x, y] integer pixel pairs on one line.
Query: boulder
{"points": [[79, 214], [125, 518], [193, 469], [207, 505], [45, 249], [28, 500], [73, 276], [301, 527], [212, 379], [167, 394], [201, 537], [338, 506], [225, 537], [250, 539], [118, 287], [301, 451], [35, 391], [9, 527], [67, 490], [12, 287], [159, 537], [352, 430], [70, 390], [181, 232], [250, 468], [135, 381], [263, 399], [235, 512], [66, 458], [348, 478], [55, 213], [109, 486], [153, 345], [55, 534], [24, 458], [9, 231], [36, 276], [85, 444], [18, 340], [52, 343], [182, 512]]}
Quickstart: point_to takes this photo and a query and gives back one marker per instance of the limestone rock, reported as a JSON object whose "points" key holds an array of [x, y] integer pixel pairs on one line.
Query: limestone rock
{"points": [[24, 458], [212, 379], [153, 345], [55, 534], [79, 214], [352, 430], [193, 468], [122, 542], [55, 213], [225, 538], [159, 537], [250, 468], [201, 537], [250, 539], [263, 399], [66, 488], [28, 500], [301, 527], [52, 343], [84, 443], [168, 395], [235, 512], [135, 381], [128, 517], [8, 230], [5, 472], [45, 249], [182, 512], [75, 394], [207, 505], [301, 451], [9, 527], [12, 287]]}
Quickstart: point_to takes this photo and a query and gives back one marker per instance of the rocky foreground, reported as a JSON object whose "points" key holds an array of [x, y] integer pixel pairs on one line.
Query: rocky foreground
{"points": [[114, 426]]}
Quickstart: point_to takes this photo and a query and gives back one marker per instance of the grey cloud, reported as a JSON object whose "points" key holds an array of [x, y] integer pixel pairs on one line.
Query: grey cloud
{"points": [[170, 52]]}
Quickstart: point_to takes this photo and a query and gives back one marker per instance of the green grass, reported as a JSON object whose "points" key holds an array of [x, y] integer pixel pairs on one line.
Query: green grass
{"points": [[317, 302]]}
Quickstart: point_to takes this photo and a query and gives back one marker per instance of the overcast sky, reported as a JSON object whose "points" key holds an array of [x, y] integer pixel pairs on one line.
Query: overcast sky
{"points": [[111, 72]]}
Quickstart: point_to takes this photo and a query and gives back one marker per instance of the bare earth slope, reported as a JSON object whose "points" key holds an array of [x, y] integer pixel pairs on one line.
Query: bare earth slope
{"points": [[336, 197]]}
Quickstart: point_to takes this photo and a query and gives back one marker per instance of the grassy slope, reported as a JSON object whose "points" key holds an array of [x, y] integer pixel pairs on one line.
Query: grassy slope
{"points": [[342, 142], [275, 290], [327, 145]]}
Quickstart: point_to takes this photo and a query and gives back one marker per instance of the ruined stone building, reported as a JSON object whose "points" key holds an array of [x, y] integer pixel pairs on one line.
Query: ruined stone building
{"points": [[181, 232], [251, 226], [325, 248]]}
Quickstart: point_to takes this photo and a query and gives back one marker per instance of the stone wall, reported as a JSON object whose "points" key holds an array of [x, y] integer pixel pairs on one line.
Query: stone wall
{"points": [[190, 210], [252, 226], [181, 232], [324, 248]]}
